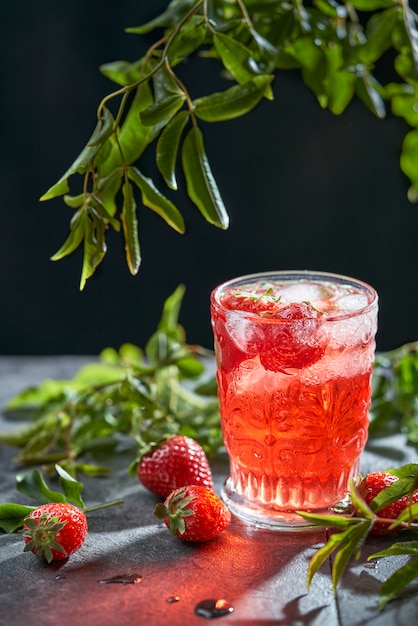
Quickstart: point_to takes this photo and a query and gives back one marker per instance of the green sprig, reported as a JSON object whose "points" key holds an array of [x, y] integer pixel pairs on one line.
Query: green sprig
{"points": [[349, 534], [335, 48], [131, 399]]}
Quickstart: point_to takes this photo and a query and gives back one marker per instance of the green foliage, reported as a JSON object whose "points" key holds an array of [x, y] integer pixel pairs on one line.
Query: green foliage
{"points": [[335, 46], [394, 405], [131, 399], [351, 531]]}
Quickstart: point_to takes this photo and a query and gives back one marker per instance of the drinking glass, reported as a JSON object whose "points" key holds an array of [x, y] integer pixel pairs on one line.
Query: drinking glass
{"points": [[294, 354]]}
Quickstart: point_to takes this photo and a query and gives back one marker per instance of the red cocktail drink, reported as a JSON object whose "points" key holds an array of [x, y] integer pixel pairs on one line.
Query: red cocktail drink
{"points": [[295, 355]]}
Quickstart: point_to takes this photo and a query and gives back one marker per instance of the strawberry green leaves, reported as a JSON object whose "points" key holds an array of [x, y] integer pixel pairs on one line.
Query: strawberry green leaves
{"points": [[33, 485], [349, 534]]}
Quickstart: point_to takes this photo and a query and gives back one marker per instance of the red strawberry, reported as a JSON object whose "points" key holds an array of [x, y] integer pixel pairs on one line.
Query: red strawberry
{"points": [[293, 342], [54, 531], [370, 486], [194, 513], [177, 462]]}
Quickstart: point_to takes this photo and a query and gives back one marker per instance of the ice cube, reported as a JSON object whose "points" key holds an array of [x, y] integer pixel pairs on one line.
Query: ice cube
{"points": [[246, 334], [352, 302], [303, 291]]}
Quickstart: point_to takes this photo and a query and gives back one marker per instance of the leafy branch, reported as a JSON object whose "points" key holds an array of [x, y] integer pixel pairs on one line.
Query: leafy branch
{"points": [[130, 400], [352, 531], [335, 46], [394, 406]]}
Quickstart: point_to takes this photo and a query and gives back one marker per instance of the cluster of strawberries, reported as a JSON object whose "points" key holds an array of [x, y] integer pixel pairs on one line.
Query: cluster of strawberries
{"points": [[177, 470]]}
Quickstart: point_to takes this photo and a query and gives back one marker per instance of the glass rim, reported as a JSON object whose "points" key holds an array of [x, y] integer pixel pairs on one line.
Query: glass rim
{"points": [[294, 275]]}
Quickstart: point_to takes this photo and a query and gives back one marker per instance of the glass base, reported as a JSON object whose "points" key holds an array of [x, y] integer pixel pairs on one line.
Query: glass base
{"points": [[272, 519]]}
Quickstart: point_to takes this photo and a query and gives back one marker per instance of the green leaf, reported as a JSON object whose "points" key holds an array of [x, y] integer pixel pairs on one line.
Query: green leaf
{"points": [[103, 130], [171, 311], [156, 201], [163, 110], [403, 105], [313, 64], [32, 484], [12, 516], [71, 487], [379, 31], [408, 515], [397, 582], [328, 520], [168, 146], [372, 5], [188, 40], [74, 201], [397, 549], [410, 470], [368, 91], [339, 83], [354, 538], [358, 502], [94, 246], [133, 136], [323, 553], [201, 185], [75, 238], [233, 102], [237, 59], [390, 494], [130, 229], [173, 13], [124, 73]]}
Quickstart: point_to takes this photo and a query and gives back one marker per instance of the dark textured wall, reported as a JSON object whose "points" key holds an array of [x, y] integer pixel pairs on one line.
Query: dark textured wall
{"points": [[304, 189]]}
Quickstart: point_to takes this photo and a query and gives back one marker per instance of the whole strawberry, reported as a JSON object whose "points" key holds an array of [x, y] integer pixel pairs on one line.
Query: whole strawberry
{"points": [[370, 486], [177, 462], [54, 531], [194, 513]]}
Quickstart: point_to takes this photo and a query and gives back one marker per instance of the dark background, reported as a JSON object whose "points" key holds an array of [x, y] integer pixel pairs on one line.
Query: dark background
{"points": [[304, 190]]}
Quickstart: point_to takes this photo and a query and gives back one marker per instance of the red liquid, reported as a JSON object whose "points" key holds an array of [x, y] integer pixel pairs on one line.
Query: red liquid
{"points": [[294, 446], [294, 391]]}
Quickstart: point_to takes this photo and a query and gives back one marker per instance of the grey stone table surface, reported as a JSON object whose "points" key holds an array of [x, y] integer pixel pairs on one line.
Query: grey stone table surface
{"points": [[262, 574]]}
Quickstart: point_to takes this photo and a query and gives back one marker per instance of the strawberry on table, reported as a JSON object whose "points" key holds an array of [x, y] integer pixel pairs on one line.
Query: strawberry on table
{"points": [[370, 486], [54, 531], [177, 462], [194, 513]]}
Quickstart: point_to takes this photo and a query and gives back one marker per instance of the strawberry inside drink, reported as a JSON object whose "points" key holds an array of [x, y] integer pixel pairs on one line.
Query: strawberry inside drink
{"points": [[294, 361]]}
